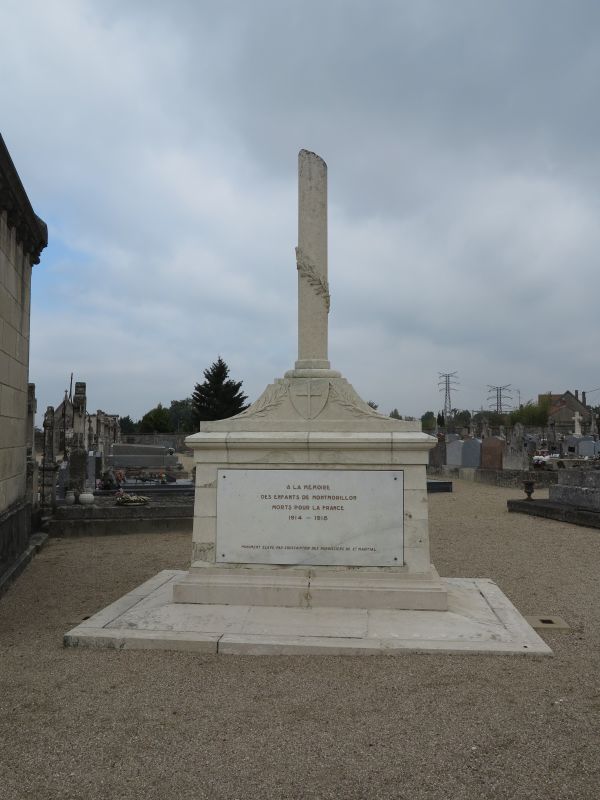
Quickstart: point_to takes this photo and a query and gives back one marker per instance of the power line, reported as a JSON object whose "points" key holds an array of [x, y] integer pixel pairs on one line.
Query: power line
{"points": [[446, 383], [498, 397]]}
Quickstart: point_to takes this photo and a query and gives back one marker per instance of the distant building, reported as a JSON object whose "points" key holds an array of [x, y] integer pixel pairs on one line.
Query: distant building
{"points": [[23, 236], [562, 412], [75, 428]]}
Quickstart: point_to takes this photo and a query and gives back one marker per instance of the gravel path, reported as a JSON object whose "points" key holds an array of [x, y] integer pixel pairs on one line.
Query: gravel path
{"points": [[78, 723]]}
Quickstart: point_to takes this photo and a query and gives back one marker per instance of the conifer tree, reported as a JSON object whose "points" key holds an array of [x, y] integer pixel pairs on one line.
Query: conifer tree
{"points": [[218, 397]]}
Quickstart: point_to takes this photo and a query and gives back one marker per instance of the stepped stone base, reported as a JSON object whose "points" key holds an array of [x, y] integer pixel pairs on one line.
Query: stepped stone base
{"points": [[480, 619], [561, 512], [311, 587], [578, 488]]}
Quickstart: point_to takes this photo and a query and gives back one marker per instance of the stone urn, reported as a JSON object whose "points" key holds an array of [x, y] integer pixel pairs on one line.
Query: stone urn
{"points": [[69, 497], [86, 498], [528, 487]]}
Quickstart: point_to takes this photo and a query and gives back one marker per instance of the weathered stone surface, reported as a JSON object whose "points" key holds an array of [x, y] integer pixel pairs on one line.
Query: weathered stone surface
{"points": [[437, 455], [22, 237], [471, 453], [454, 453], [480, 619], [551, 509], [492, 453], [582, 496]]}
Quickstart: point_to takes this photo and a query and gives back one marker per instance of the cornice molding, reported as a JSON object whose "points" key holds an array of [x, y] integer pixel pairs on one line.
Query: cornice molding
{"points": [[31, 231]]}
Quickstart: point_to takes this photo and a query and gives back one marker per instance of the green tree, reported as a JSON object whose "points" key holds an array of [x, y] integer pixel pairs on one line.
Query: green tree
{"points": [[535, 415], [218, 397], [461, 419], [428, 421], [127, 425], [155, 421], [181, 416], [395, 414], [492, 418]]}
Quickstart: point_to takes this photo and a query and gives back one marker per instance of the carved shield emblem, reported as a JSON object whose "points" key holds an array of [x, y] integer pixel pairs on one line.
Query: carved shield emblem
{"points": [[309, 396]]}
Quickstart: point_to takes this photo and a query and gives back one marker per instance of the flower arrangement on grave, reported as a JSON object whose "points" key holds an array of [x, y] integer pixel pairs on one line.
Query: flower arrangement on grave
{"points": [[125, 499]]}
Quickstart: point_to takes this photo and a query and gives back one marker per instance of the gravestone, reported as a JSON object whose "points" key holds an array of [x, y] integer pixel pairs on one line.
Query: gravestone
{"points": [[310, 497], [437, 455], [586, 447], [454, 453], [577, 487], [471, 453], [49, 466], [515, 456], [492, 452], [570, 445]]}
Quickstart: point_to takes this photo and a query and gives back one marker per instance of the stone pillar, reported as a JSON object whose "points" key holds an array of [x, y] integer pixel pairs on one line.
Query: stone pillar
{"points": [[311, 261], [78, 455], [79, 409]]}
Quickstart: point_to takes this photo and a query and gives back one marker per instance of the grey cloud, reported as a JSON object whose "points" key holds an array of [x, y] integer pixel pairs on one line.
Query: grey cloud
{"points": [[461, 140]]}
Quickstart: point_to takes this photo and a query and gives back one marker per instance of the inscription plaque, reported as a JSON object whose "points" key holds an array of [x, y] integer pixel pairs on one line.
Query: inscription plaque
{"points": [[310, 517]]}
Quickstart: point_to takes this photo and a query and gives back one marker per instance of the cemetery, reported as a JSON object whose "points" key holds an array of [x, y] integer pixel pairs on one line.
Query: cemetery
{"points": [[358, 580]]}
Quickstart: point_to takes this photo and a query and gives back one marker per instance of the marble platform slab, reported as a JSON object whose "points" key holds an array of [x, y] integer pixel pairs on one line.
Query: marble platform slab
{"points": [[480, 619]]}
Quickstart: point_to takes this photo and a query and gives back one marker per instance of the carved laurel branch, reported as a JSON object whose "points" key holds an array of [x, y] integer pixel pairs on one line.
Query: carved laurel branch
{"points": [[308, 271], [271, 397], [351, 401]]}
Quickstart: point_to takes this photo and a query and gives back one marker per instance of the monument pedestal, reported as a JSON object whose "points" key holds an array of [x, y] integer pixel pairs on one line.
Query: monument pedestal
{"points": [[338, 519]]}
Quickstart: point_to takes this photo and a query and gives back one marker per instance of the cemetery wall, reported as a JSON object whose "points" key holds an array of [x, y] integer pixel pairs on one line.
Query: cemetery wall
{"points": [[22, 237], [515, 477], [498, 477], [174, 440]]}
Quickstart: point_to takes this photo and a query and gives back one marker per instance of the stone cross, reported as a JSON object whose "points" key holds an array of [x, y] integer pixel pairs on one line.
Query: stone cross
{"points": [[311, 261], [313, 392], [577, 423]]}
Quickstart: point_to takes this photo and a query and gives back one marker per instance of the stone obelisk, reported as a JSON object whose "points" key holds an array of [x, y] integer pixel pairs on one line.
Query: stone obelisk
{"points": [[310, 481], [311, 261]]}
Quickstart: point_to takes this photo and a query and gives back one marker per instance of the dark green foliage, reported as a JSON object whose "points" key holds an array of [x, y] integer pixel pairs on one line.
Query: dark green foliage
{"points": [[395, 414], [127, 425], [532, 414], [428, 421], [441, 421], [181, 416], [155, 421], [461, 419], [218, 397], [492, 418]]}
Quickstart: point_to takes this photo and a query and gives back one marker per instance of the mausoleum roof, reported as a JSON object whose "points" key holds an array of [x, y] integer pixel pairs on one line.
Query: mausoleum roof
{"points": [[32, 231]]}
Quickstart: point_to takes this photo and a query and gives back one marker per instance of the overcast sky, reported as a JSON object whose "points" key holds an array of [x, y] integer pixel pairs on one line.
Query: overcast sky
{"points": [[159, 142]]}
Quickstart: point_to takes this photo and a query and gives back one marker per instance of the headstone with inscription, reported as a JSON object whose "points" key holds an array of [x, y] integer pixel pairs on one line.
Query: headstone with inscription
{"points": [[310, 497]]}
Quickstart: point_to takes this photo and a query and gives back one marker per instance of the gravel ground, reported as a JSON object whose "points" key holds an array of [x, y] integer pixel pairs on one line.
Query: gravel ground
{"points": [[77, 723]]}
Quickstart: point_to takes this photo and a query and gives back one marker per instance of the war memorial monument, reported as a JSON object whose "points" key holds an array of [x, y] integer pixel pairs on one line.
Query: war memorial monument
{"points": [[311, 519]]}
